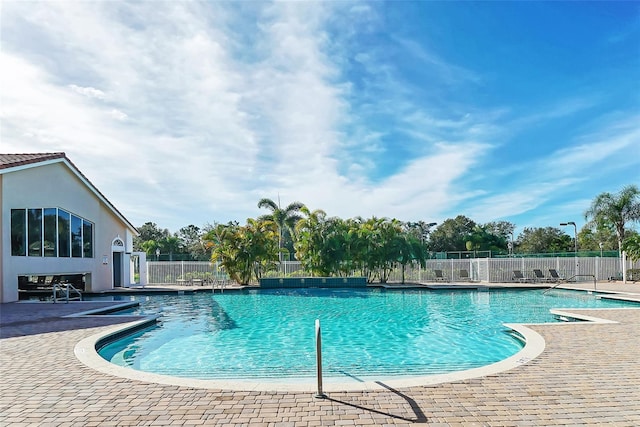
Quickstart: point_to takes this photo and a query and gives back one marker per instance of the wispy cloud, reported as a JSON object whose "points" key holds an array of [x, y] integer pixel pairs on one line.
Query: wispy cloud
{"points": [[443, 70], [551, 181], [89, 92]]}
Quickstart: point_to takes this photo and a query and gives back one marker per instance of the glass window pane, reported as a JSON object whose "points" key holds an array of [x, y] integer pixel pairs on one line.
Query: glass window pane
{"points": [[76, 236], [50, 235], [18, 232], [35, 232], [87, 239], [64, 230]]}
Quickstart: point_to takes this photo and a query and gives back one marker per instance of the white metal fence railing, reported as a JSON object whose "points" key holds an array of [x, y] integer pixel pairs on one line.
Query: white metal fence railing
{"points": [[168, 272], [478, 269]]}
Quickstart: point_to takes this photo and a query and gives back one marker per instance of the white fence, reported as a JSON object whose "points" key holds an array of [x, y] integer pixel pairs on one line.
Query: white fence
{"points": [[496, 270], [491, 270], [170, 272]]}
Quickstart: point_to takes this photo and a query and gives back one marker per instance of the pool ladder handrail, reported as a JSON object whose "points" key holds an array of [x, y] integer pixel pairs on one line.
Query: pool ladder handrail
{"points": [[218, 281], [66, 289], [595, 286]]}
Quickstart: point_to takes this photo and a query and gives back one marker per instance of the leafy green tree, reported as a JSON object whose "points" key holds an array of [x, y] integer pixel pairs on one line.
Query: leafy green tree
{"points": [[149, 247], [244, 251], [616, 210], [170, 245], [388, 244], [502, 229], [149, 231], [369, 242], [631, 246], [332, 246], [592, 235], [482, 239], [547, 239], [452, 234], [191, 241], [335, 250], [285, 219], [419, 230], [309, 242], [411, 249]]}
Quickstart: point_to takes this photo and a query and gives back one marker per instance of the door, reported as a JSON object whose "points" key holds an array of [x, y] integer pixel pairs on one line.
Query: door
{"points": [[117, 269]]}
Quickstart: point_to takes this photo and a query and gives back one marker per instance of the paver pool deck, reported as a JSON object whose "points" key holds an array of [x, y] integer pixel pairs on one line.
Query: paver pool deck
{"points": [[588, 374]]}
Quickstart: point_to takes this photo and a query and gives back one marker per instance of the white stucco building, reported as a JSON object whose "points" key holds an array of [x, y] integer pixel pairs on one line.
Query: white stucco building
{"points": [[56, 223]]}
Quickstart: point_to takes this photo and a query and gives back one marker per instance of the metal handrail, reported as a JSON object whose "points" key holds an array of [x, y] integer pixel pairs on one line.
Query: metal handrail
{"points": [[319, 393], [595, 286], [220, 282], [66, 288]]}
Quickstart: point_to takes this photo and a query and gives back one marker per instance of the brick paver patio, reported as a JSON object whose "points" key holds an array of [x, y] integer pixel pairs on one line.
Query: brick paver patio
{"points": [[588, 374]]}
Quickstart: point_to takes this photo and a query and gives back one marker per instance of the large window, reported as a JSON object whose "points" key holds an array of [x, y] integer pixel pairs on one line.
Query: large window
{"points": [[18, 232], [35, 232], [87, 239], [76, 236], [50, 232], [64, 230]]}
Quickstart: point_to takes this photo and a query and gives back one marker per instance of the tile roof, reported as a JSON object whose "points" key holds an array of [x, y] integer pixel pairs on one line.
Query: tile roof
{"points": [[13, 160], [8, 161]]}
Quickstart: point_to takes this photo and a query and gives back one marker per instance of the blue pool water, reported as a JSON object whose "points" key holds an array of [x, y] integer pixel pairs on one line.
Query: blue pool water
{"points": [[365, 332]]}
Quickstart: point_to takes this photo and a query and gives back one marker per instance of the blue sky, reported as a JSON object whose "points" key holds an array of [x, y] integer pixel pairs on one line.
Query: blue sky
{"points": [[189, 113]]}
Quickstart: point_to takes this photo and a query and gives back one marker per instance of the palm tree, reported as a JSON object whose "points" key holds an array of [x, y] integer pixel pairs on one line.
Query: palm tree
{"points": [[285, 219], [309, 240], [150, 247], [170, 244], [244, 251], [632, 247], [616, 210]]}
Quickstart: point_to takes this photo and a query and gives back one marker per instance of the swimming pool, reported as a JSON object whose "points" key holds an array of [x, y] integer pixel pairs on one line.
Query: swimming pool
{"points": [[366, 333]]}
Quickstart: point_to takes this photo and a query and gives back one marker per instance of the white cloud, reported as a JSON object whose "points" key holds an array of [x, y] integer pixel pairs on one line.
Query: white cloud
{"points": [[117, 114], [444, 70], [550, 182], [89, 92]]}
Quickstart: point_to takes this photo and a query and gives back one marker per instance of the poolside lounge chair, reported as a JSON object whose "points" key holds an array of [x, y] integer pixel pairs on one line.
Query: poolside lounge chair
{"points": [[440, 276], [539, 276], [519, 277], [463, 275], [555, 277]]}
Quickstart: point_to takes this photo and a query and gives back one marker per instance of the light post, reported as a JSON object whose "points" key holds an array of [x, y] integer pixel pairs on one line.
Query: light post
{"points": [[158, 254], [425, 231], [601, 246], [510, 244], [575, 233], [575, 239]]}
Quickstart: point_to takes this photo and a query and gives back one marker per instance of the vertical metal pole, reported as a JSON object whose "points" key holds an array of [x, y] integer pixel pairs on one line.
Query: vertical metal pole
{"points": [[319, 394]]}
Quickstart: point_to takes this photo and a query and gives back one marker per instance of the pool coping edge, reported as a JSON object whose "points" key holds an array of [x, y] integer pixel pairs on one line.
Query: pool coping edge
{"points": [[85, 351]]}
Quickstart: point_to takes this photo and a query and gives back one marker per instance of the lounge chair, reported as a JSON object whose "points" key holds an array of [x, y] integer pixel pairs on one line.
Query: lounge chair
{"points": [[463, 274], [539, 276], [555, 277], [440, 276], [519, 277]]}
